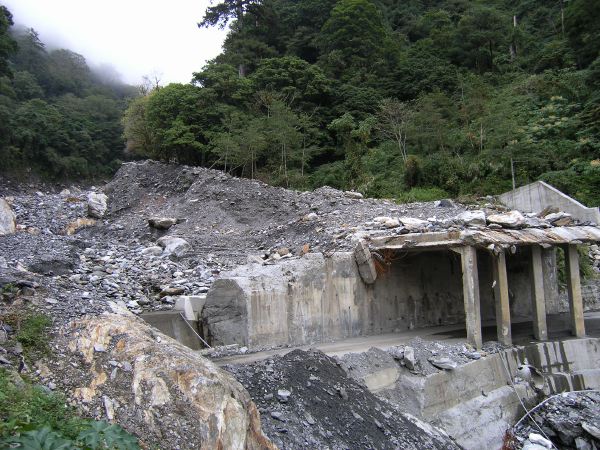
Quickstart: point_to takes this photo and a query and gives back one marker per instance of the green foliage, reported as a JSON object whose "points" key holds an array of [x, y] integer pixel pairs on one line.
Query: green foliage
{"points": [[26, 407], [421, 194], [56, 116], [7, 45], [425, 98], [32, 333], [34, 419]]}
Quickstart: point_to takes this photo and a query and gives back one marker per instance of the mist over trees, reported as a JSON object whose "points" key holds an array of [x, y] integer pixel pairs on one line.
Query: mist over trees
{"points": [[58, 117]]}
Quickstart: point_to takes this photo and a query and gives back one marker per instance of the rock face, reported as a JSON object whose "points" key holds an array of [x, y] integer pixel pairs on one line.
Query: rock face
{"points": [[8, 221], [96, 203], [184, 400]]}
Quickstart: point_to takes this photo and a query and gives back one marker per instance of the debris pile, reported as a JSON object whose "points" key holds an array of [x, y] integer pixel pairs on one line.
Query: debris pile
{"points": [[570, 421], [306, 400]]}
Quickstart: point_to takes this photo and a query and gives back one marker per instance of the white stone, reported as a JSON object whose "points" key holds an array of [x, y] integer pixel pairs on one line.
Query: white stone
{"points": [[511, 219], [413, 224], [538, 439], [475, 218], [353, 194], [97, 205], [8, 220]]}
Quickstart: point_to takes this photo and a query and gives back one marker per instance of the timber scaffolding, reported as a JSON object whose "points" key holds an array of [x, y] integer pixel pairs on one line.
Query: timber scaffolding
{"points": [[497, 242]]}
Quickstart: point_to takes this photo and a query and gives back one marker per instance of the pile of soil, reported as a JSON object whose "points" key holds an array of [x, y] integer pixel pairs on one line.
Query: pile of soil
{"points": [[307, 401]]}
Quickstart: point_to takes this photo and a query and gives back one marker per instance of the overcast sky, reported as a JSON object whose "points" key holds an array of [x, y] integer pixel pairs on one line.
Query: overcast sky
{"points": [[137, 37]]}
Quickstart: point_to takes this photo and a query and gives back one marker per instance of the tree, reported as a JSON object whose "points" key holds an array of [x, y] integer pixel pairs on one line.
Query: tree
{"points": [[393, 118], [220, 14], [582, 23], [479, 35], [352, 38], [7, 45], [298, 82], [354, 137]]}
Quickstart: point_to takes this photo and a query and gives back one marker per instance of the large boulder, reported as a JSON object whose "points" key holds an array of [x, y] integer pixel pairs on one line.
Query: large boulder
{"points": [[8, 220], [511, 219], [473, 218], [162, 391], [97, 206]]}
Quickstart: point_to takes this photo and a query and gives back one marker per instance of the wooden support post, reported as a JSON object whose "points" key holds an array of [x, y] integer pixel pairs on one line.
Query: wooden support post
{"points": [[471, 296], [501, 297], [574, 289], [538, 297]]}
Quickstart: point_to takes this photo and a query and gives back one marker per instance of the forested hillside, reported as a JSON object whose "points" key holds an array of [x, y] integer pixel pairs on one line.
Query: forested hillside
{"points": [[412, 99], [57, 117]]}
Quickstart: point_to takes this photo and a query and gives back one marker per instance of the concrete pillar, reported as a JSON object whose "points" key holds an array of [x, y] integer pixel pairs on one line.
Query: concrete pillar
{"points": [[550, 280], [574, 290], [501, 298], [538, 297], [471, 295]]}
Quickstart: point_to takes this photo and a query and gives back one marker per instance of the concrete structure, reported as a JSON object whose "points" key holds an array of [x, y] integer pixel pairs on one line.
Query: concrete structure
{"points": [[474, 403], [175, 325], [537, 196], [430, 279]]}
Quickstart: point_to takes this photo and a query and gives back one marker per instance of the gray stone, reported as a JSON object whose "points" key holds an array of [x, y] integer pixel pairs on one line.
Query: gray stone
{"points": [[8, 220], [162, 223], [174, 246], [591, 429], [444, 203], [409, 358], [283, 395], [96, 204], [152, 251], [443, 363]]}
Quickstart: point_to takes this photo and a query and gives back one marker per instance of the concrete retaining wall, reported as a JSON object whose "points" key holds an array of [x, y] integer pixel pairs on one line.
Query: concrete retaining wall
{"points": [[473, 402], [315, 299], [536, 196]]}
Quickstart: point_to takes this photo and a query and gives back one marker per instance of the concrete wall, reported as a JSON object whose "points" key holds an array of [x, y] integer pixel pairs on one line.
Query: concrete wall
{"points": [[172, 324], [315, 299], [473, 402], [536, 196]]}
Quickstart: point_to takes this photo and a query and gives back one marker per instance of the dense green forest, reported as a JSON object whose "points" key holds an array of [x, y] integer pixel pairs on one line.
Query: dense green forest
{"points": [[58, 118], [412, 99]]}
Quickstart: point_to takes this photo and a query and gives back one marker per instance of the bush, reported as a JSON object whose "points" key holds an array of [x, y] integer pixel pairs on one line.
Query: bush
{"points": [[422, 194]]}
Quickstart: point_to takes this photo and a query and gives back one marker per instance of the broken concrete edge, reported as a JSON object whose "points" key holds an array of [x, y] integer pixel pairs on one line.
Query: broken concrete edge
{"points": [[365, 263]]}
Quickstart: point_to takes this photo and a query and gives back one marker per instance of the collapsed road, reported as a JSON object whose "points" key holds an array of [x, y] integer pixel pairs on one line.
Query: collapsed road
{"points": [[254, 268]]}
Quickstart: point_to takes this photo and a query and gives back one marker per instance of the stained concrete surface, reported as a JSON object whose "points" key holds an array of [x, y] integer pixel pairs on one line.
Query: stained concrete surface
{"points": [[522, 331]]}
